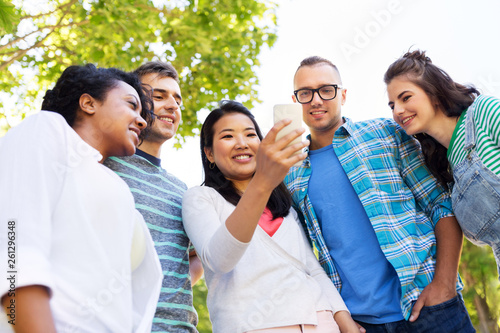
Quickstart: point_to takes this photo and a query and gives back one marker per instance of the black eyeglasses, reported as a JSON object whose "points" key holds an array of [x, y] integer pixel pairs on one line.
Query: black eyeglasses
{"points": [[326, 93]]}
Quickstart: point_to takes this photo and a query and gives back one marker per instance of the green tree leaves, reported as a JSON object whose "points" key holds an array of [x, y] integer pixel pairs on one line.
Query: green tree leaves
{"points": [[214, 44], [482, 288], [8, 17]]}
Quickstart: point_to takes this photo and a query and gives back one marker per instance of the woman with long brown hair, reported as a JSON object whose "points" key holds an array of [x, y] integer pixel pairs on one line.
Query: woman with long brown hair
{"points": [[459, 131]]}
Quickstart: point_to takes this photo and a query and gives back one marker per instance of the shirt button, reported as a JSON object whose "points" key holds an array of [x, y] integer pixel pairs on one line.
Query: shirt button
{"points": [[303, 190]]}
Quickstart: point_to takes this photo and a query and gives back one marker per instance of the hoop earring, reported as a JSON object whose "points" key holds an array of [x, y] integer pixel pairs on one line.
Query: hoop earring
{"points": [[211, 165]]}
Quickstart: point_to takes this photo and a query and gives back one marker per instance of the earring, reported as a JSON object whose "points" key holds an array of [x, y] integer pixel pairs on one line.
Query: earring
{"points": [[211, 165]]}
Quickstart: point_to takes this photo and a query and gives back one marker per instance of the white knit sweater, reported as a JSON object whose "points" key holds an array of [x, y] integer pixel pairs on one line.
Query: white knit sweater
{"points": [[268, 282]]}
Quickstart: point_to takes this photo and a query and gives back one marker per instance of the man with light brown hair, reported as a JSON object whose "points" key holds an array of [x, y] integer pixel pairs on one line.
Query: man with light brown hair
{"points": [[158, 196], [382, 224]]}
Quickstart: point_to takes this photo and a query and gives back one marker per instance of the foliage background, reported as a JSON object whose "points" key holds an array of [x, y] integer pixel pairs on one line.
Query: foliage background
{"points": [[212, 43]]}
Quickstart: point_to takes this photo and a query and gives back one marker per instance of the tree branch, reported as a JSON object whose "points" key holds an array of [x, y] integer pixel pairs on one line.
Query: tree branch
{"points": [[52, 28], [61, 7], [23, 52]]}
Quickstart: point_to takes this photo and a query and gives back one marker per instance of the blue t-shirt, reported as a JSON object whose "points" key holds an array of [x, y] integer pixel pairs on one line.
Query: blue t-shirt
{"points": [[370, 286]]}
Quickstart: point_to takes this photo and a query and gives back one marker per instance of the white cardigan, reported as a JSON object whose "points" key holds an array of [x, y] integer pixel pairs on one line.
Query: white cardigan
{"points": [[268, 282]]}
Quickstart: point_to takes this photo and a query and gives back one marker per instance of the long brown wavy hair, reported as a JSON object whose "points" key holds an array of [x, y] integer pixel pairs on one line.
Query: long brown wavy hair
{"points": [[453, 98]]}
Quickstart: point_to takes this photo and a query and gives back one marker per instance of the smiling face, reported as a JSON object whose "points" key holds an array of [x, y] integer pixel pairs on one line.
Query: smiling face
{"points": [[117, 120], [234, 149], [322, 117], [411, 107], [167, 100]]}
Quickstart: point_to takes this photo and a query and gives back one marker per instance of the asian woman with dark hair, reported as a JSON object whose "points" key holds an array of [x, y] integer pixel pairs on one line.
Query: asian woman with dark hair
{"points": [[260, 270]]}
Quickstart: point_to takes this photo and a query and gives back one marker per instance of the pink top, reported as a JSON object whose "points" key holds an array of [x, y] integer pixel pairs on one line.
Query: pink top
{"points": [[267, 223]]}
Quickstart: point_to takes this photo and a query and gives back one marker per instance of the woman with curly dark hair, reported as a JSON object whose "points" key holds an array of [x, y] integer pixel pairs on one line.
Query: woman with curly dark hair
{"points": [[86, 259]]}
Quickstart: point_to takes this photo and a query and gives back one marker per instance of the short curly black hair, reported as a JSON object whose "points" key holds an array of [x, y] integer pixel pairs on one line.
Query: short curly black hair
{"points": [[75, 81]]}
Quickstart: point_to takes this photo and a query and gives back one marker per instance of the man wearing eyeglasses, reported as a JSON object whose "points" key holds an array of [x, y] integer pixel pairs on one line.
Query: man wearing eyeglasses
{"points": [[383, 227]]}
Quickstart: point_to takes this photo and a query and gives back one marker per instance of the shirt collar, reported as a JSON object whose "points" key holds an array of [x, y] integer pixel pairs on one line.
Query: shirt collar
{"points": [[153, 159], [81, 149], [346, 128]]}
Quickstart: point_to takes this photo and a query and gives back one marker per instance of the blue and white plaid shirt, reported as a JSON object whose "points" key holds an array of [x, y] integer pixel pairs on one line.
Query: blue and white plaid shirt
{"points": [[402, 200]]}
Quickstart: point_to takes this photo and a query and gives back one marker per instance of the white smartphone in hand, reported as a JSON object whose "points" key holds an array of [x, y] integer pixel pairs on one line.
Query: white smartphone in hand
{"points": [[290, 111]]}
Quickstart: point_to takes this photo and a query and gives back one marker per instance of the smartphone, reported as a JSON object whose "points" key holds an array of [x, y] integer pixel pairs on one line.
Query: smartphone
{"points": [[290, 111]]}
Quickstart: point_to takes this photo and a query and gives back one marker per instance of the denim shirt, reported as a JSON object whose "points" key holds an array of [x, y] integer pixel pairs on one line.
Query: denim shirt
{"points": [[402, 200], [476, 193]]}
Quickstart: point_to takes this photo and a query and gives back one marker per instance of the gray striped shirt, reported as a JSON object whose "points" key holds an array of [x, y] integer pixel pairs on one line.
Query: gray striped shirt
{"points": [[158, 196]]}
